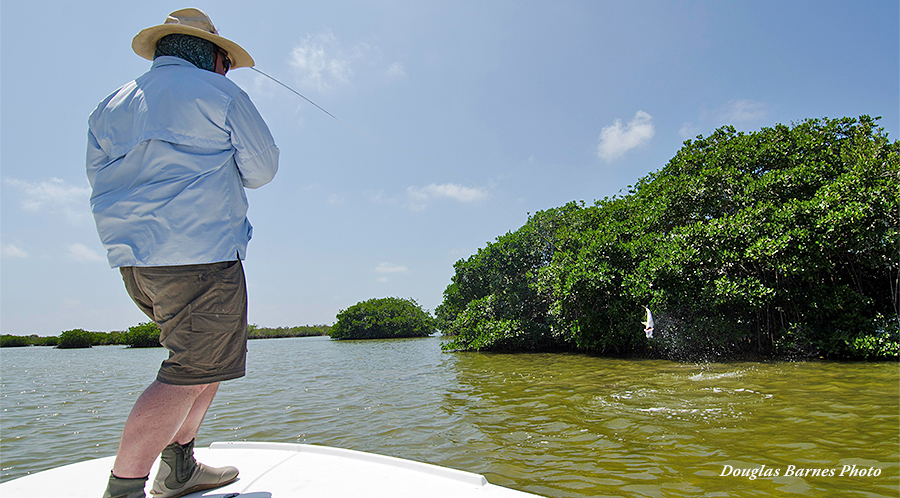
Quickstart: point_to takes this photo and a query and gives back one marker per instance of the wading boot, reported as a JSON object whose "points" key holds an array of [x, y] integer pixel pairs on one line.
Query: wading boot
{"points": [[125, 488], [180, 474]]}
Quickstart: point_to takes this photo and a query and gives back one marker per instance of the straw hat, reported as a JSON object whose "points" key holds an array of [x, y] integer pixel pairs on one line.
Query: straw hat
{"points": [[189, 22]]}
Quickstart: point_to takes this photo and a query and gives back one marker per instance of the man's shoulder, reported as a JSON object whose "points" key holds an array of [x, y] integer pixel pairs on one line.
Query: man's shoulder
{"points": [[117, 94], [186, 76]]}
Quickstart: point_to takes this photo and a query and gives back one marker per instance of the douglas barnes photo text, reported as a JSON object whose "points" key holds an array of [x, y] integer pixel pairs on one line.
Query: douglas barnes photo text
{"points": [[794, 471]]}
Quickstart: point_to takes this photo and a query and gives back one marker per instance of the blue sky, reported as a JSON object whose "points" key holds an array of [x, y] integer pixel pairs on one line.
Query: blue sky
{"points": [[535, 103]]}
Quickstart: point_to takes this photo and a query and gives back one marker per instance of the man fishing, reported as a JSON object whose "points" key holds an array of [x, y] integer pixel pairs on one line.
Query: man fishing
{"points": [[168, 157]]}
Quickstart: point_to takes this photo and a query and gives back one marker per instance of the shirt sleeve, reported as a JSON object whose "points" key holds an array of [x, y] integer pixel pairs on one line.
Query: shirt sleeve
{"points": [[256, 154], [95, 159]]}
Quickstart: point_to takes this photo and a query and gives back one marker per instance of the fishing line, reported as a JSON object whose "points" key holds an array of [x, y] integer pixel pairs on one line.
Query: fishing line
{"points": [[389, 143]]}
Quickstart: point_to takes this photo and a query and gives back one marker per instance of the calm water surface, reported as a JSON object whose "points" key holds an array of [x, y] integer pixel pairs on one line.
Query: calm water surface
{"points": [[552, 424]]}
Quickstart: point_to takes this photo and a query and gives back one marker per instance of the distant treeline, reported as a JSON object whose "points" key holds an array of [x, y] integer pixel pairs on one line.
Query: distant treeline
{"points": [[143, 335], [15, 341], [75, 338], [256, 332]]}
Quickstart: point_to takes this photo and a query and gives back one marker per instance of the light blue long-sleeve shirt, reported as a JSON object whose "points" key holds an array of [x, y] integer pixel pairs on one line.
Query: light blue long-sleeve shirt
{"points": [[168, 157]]}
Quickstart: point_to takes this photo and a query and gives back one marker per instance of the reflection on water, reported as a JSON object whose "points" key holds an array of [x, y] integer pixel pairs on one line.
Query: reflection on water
{"points": [[553, 424]]}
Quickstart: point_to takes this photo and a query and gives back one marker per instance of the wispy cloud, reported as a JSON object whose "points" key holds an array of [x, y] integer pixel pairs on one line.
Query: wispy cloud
{"points": [[396, 71], [54, 196], [460, 252], [451, 191], [380, 197], [13, 251], [742, 111], [324, 62], [734, 112], [385, 267], [321, 61], [689, 130], [617, 139], [81, 252]]}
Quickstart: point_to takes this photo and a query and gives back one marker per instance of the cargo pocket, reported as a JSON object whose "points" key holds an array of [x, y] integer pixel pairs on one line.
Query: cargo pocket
{"points": [[219, 342]]}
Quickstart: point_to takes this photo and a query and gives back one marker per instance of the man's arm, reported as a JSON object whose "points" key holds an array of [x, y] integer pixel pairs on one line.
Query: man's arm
{"points": [[256, 154]]}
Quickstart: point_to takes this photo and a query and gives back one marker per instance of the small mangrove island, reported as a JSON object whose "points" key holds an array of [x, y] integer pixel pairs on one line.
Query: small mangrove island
{"points": [[383, 318]]}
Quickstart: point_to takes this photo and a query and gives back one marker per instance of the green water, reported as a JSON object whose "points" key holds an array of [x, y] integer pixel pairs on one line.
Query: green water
{"points": [[552, 424]]}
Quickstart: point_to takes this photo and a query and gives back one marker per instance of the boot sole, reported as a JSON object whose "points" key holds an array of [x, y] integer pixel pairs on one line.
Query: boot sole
{"points": [[198, 487]]}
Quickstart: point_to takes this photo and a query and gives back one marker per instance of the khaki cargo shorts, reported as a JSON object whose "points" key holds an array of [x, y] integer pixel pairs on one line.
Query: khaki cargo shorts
{"points": [[202, 312]]}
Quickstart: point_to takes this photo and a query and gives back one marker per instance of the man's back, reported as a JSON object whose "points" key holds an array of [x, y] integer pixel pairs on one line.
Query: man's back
{"points": [[168, 157]]}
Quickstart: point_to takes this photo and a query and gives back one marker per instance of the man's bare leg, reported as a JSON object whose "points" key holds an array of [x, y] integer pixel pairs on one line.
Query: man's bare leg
{"points": [[157, 418], [191, 424]]}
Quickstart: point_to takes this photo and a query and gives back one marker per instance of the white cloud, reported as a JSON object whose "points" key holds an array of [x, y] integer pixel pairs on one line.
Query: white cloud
{"points": [[54, 196], [335, 200], [616, 140], [453, 191], [81, 252], [13, 251], [385, 267], [742, 110]]}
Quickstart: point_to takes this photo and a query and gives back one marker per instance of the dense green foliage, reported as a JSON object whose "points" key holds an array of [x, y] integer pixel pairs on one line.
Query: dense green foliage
{"points": [[44, 341], [75, 338], [79, 338], [107, 338], [13, 341], [777, 242], [389, 317], [142, 335], [256, 332], [28, 340]]}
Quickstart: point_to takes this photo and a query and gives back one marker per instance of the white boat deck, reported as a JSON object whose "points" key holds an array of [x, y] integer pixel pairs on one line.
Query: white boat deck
{"points": [[281, 470]]}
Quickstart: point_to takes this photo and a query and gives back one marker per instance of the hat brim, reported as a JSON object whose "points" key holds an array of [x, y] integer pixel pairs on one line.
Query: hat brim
{"points": [[144, 43]]}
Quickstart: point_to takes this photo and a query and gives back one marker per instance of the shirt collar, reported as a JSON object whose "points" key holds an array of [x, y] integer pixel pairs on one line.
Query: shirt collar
{"points": [[168, 60]]}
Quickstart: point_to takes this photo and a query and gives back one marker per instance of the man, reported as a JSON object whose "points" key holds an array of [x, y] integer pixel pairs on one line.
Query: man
{"points": [[168, 157]]}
